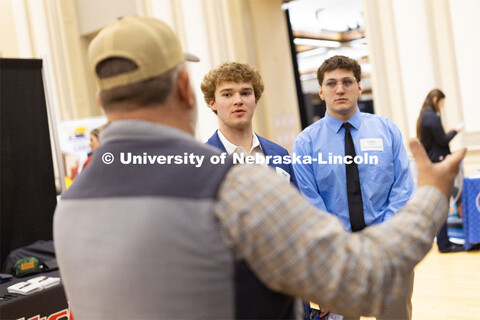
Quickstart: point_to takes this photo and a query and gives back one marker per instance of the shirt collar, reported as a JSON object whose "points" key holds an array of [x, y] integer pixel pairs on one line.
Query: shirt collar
{"points": [[256, 142], [336, 124], [230, 147]]}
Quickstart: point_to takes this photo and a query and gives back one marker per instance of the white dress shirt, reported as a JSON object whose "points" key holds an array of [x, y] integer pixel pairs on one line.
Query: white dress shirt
{"points": [[231, 148]]}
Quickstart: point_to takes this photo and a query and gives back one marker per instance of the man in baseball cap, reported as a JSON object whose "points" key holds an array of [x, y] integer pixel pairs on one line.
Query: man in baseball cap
{"points": [[156, 227], [147, 42]]}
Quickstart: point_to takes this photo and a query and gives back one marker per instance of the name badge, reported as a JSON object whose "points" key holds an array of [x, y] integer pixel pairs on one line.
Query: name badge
{"points": [[374, 144], [282, 173]]}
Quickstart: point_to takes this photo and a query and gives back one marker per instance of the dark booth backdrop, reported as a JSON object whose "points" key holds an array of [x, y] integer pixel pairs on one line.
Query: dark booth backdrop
{"points": [[28, 194]]}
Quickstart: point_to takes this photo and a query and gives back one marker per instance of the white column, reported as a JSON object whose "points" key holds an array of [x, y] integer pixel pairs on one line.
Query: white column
{"points": [[446, 65], [405, 58], [8, 40], [465, 15], [278, 116], [387, 84], [162, 10], [22, 27], [197, 42], [418, 45], [415, 50]]}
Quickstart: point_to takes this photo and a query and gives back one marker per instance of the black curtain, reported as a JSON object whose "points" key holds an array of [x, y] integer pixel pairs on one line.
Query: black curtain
{"points": [[28, 195], [305, 121]]}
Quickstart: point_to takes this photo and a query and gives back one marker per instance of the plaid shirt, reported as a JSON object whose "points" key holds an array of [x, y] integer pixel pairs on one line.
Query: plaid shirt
{"points": [[294, 248]]}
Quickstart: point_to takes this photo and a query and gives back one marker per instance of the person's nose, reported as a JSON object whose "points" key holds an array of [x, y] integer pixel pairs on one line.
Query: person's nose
{"points": [[237, 99], [339, 89]]}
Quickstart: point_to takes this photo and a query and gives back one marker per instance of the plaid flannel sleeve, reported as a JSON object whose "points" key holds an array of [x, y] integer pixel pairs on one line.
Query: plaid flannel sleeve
{"points": [[294, 248]]}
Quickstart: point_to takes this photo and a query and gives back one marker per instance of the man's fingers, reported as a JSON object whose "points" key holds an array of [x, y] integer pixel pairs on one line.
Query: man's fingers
{"points": [[418, 152], [458, 155], [454, 159]]}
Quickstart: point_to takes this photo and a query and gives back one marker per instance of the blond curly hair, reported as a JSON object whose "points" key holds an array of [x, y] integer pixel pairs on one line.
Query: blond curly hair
{"points": [[231, 71]]}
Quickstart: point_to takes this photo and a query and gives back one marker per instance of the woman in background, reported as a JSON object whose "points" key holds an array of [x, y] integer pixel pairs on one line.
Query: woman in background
{"points": [[94, 144], [430, 132]]}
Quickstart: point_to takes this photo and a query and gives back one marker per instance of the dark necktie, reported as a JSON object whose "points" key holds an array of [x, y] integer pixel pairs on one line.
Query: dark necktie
{"points": [[354, 192]]}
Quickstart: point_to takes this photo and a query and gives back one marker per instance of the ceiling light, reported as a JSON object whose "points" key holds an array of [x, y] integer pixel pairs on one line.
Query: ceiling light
{"points": [[317, 43]]}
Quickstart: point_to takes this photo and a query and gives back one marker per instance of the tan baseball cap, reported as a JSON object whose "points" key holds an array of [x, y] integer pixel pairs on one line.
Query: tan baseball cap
{"points": [[146, 41]]}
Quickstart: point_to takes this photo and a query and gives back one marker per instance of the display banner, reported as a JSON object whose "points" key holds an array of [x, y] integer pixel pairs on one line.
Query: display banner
{"points": [[74, 139]]}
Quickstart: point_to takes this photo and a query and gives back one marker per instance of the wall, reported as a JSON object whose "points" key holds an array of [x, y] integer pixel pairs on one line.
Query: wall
{"points": [[415, 45], [215, 30], [8, 40], [418, 45]]}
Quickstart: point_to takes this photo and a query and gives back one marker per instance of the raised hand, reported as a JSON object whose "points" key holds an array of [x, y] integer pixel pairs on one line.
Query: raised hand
{"points": [[439, 175]]}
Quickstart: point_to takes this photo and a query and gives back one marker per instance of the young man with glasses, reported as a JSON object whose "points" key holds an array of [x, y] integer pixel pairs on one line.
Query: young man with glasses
{"points": [[358, 191]]}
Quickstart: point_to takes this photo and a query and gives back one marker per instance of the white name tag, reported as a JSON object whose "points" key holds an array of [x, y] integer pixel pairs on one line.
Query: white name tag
{"points": [[374, 144], [282, 173]]}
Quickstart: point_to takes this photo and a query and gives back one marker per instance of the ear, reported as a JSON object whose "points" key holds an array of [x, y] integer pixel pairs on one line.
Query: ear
{"points": [[359, 89], [185, 90], [320, 93], [98, 99], [212, 105]]}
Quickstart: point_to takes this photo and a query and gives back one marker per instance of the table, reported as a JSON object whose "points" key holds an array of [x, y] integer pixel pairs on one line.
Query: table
{"points": [[49, 303], [471, 210]]}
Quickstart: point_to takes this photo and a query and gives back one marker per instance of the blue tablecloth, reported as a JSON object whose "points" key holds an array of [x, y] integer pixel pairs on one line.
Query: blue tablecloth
{"points": [[471, 211]]}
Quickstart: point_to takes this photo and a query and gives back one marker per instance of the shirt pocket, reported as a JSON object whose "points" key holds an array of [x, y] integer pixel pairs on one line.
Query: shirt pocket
{"points": [[379, 168]]}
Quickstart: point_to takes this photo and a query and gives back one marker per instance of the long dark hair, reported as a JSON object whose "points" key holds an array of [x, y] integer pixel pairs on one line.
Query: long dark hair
{"points": [[430, 104]]}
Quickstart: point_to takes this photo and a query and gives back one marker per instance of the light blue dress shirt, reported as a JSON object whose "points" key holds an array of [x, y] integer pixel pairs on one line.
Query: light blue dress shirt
{"points": [[386, 186]]}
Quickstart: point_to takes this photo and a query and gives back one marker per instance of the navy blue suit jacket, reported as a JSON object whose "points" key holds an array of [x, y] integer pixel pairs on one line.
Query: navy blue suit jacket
{"points": [[269, 149]]}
